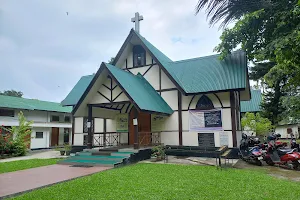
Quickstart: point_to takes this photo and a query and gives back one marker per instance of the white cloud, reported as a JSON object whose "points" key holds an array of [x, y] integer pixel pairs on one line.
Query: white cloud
{"points": [[44, 51]]}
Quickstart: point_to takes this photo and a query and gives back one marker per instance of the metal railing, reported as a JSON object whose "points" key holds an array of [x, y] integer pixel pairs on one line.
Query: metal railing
{"points": [[107, 139], [149, 138]]}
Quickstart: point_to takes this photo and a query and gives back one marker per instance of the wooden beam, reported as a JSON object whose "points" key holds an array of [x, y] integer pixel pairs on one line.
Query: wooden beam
{"points": [[233, 124], [106, 86], [180, 116], [90, 134], [117, 96], [136, 131], [104, 96]]}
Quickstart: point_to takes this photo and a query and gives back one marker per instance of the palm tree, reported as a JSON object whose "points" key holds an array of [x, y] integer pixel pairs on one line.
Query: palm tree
{"points": [[229, 10]]}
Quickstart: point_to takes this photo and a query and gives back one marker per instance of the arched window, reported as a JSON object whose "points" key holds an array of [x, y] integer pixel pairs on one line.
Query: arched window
{"points": [[204, 103], [139, 56]]}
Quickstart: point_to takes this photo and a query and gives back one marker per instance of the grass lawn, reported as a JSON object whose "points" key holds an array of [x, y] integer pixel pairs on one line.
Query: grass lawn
{"points": [[159, 181], [25, 164]]}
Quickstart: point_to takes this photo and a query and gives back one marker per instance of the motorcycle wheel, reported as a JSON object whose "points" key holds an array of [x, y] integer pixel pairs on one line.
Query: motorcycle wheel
{"points": [[270, 162], [258, 162], [295, 165]]}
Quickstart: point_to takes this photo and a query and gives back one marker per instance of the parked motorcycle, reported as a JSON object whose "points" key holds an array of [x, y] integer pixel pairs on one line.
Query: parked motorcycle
{"points": [[277, 153], [250, 150], [294, 144]]}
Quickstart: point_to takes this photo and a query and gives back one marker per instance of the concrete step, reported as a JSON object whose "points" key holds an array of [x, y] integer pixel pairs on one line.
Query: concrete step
{"points": [[83, 153], [129, 150], [115, 158], [127, 154]]}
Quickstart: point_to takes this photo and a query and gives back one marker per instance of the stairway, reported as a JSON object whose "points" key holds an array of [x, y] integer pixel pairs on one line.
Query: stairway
{"points": [[93, 157]]}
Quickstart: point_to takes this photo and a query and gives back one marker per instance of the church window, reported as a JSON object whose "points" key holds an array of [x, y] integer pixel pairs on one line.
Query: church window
{"points": [[204, 103], [139, 56]]}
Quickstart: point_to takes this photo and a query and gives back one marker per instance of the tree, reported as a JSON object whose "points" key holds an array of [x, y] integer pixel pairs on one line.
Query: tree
{"points": [[12, 93], [111, 60], [291, 109], [260, 125]]}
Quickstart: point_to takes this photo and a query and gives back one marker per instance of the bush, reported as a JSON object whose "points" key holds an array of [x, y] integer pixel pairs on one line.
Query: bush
{"points": [[16, 142]]}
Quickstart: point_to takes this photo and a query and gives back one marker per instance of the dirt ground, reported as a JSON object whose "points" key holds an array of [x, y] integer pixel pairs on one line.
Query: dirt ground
{"points": [[239, 164], [275, 171]]}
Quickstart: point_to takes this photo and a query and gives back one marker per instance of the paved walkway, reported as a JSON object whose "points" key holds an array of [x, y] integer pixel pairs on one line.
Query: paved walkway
{"points": [[13, 183], [40, 155]]}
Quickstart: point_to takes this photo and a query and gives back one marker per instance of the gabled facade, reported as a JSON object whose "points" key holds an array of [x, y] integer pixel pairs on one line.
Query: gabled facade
{"points": [[52, 123], [144, 97]]}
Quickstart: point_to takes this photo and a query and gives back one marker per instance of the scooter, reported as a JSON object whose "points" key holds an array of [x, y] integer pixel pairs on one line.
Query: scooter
{"points": [[250, 150], [282, 156], [294, 144]]}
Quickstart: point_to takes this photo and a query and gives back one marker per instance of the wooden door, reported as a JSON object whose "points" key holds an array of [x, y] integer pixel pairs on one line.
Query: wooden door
{"points": [[54, 136], [144, 127]]}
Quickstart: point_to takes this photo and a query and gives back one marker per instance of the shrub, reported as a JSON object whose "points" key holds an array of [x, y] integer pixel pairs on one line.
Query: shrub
{"points": [[16, 142]]}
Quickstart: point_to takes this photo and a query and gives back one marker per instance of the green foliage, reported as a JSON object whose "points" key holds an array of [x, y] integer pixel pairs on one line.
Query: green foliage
{"points": [[260, 125], [67, 147], [16, 142], [158, 151], [176, 182], [291, 109], [25, 164], [111, 60], [12, 93]]}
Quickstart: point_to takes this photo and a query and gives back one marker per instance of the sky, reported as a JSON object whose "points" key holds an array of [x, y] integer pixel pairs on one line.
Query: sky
{"points": [[44, 51]]}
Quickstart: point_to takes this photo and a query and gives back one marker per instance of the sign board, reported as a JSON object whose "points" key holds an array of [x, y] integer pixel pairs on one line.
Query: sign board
{"points": [[200, 120], [122, 122], [223, 138], [157, 123]]}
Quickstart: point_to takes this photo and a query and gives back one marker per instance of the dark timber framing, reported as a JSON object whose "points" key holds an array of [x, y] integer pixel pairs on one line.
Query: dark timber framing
{"points": [[180, 117], [136, 133], [233, 124], [90, 134]]}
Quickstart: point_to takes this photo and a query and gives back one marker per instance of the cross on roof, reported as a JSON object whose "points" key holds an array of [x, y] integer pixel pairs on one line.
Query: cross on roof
{"points": [[136, 19]]}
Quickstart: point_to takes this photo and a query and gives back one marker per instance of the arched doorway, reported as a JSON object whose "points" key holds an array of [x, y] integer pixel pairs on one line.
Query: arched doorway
{"points": [[144, 127]]}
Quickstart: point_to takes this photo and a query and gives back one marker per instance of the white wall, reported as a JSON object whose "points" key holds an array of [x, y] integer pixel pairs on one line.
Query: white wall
{"points": [[283, 130], [40, 142]]}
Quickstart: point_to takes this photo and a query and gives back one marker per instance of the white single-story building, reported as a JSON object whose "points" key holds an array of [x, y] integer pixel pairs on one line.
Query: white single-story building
{"points": [[144, 97], [52, 123]]}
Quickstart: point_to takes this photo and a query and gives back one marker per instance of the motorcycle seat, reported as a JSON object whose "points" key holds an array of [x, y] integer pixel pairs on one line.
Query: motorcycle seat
{"points": [[285, 151]]}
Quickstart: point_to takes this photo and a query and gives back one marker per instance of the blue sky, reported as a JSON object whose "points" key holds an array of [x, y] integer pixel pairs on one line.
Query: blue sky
{"points": [[44, 51]]}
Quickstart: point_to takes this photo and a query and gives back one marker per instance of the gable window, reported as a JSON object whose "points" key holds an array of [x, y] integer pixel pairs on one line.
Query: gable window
{"points": [[139, 56], [7, 113], [39, 135], [54, 118], [67, 119], [204, 103]]}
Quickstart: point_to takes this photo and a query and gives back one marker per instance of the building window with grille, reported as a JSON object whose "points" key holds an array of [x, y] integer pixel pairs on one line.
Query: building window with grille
{"points": [[67, 119], [54, 118], [39, 135], [139, 56], [7, 113]]}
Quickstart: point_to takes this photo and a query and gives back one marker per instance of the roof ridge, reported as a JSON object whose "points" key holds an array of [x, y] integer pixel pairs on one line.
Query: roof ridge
{"points": [[28, 99]]}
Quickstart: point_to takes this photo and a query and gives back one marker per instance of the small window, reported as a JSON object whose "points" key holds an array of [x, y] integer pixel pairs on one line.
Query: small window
{"points": [[67, 119], [7, 113], [39, 135], [139, 56], [204, 103], [54, 118]]}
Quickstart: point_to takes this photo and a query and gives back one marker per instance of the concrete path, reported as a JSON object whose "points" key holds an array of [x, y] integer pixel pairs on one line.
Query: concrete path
{"points": [[39, 155], [18, 182]]}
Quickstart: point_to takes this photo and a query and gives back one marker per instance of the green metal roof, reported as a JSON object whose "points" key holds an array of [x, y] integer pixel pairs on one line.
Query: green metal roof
{"points": [[75, 94], [141, 92], [163, 59], [32, 104], [206, 74], [254, 104]]}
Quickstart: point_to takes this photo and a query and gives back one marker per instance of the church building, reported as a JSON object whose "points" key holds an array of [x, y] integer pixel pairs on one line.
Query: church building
{"points": [[144, 98]]}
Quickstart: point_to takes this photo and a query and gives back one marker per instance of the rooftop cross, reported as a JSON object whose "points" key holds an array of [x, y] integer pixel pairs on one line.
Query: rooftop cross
{"points": [[136, 19]]}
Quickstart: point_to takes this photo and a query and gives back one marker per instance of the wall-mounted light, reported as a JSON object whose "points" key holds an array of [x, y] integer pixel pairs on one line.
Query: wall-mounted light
{"points": [[135, 122]]}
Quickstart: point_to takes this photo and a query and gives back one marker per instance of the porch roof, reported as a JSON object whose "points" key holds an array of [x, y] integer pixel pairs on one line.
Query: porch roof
{"points": [[139, 91]]}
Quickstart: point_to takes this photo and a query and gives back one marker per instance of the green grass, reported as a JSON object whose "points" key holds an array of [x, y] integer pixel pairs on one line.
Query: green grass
{"points": [[25, 164], [158, 181]]}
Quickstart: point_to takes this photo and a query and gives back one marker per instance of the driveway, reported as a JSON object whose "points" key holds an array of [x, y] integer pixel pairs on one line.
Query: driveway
{"points": [[14, 183]]}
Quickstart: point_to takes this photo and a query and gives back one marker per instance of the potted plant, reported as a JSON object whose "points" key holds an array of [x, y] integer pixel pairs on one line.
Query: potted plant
{"points": [[67, 149], [61, 150], [158, 152]]}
